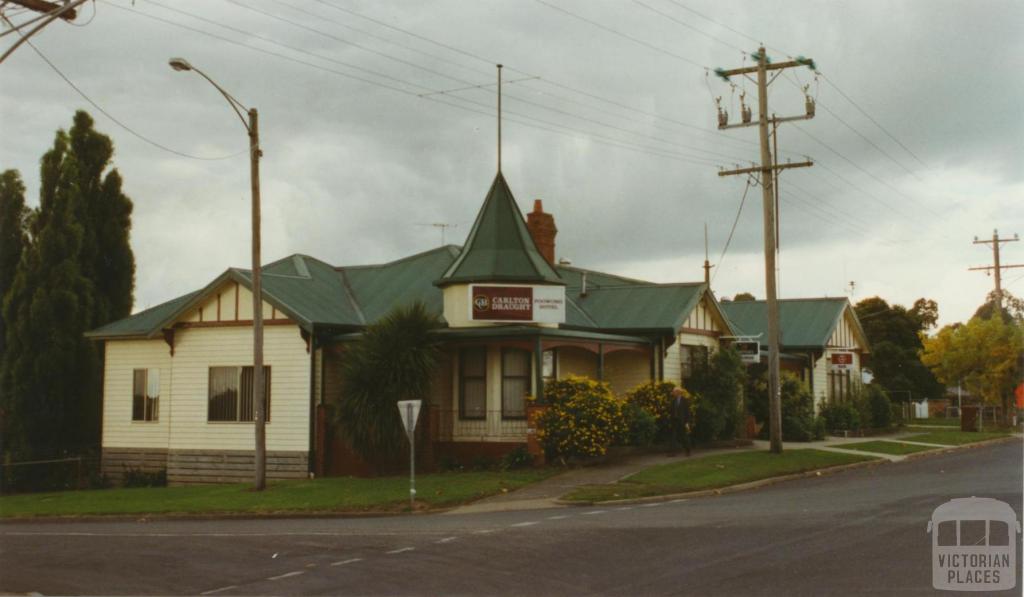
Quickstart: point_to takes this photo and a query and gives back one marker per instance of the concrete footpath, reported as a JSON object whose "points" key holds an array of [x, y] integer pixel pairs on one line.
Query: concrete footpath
{"points": [[545, 494]]}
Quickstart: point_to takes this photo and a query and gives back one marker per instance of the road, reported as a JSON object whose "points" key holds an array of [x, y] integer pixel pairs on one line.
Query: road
{"points": [[860, 531]]}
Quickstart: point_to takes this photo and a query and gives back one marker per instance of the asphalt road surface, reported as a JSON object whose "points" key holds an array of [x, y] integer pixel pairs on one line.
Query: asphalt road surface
{"points": [[856, 532]]}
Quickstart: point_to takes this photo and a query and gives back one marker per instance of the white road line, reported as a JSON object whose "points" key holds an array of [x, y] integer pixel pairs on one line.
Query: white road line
{"points": [[559, 517], [654, 505], [624, 508], [400, 550], [528, 523], [676, 501], [446, 540], [286, 575], [592, 512], [348, 561], [483, 531], [227, 588]]}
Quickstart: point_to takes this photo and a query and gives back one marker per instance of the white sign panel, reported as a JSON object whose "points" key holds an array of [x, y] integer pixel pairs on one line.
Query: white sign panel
{"points": [[749, 350], [409, 411], [841, 361], [519, 303]]}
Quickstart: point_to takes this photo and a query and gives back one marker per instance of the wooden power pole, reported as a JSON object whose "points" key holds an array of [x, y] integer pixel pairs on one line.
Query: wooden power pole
{"points": [[767, 171], [996, 267]]}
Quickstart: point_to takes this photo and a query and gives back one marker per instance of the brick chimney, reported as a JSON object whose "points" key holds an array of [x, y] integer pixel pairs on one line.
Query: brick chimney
{"points": [[542, 229]]}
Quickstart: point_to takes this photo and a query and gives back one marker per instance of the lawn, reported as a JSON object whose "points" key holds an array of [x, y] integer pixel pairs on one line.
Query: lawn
{"points": [[344, 494], [712, 472], [955, 438], [884, 447], [944, 422]]}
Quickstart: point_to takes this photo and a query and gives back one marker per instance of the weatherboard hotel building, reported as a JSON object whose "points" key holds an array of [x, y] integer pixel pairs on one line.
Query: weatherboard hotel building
{"points": [[177, 384]]}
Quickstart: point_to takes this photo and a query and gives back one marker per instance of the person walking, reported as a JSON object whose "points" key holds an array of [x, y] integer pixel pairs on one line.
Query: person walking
{"points": [[682, 419]]}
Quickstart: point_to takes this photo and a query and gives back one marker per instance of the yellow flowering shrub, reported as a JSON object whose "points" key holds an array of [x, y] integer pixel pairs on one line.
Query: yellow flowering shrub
{"points": [[582, 420], [656, 398]]}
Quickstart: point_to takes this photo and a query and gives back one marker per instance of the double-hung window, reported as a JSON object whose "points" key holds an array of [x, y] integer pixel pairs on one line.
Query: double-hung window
{"points": [[230, 394], [550, 362], [515, 382], [146, 395], [473, 383]]}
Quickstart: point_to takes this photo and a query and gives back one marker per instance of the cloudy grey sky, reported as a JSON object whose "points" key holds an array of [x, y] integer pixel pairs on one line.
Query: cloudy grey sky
{"points": [[609, 119]]}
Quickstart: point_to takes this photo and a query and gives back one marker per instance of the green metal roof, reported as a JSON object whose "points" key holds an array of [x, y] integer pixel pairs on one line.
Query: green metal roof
{"points": [[499, 247], [640, 307], [803, 323], [142, 323]]}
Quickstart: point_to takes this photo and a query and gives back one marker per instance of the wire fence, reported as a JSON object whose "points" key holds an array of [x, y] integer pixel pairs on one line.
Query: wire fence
{"points": [[53, 474]]}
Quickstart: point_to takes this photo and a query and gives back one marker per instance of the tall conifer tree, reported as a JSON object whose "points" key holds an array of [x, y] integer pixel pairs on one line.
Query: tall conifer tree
{"points": [[78, 274], [13, 239]]}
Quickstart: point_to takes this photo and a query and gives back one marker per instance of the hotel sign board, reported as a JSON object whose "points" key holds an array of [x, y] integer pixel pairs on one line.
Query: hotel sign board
{"points": [[750, 350], [524, 303], [842, 361]]}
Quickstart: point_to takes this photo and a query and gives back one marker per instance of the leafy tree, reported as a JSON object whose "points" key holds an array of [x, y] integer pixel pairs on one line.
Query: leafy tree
{"points": [[395, 359], [76, 274], [1012, 310], [982, 354], [798, 421], [894, 334], [744, 296], [13, 235], [718, 386]]}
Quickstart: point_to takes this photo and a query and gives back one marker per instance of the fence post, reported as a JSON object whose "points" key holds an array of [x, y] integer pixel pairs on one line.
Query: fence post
{"points": [[78, 473]]}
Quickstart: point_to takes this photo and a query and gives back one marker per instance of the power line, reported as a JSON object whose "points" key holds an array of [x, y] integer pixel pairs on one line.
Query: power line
{"points": [[732, 230], [621, 34], [115, 120], [687, 60], [544, 125], [823, 75], [475, 103]]}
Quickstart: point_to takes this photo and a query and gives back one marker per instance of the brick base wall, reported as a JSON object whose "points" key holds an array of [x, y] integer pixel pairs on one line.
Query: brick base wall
{"points": [[115, 462], [186, 467]]}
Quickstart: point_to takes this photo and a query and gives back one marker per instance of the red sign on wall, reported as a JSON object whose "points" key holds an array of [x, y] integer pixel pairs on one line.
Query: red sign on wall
{"points": [[503, 303], [842, 360]]}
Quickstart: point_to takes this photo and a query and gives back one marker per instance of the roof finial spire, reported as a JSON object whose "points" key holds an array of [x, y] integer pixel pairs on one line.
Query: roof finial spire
{"points": [[499, 119]]}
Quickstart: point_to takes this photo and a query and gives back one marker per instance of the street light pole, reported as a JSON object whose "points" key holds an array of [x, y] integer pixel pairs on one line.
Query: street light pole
{"points": [[251, 125]]}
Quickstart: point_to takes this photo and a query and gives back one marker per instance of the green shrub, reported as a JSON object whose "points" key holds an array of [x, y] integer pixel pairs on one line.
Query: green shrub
{"points": [[880, 407], [840, 416], [641, 426], [718, 390], [518, 458], [655, 397], [582, 420], [136, 477], [798, 420]]}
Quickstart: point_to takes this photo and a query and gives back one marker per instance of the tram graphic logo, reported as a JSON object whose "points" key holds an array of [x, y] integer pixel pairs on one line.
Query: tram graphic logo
{"points": [[974, 543]]}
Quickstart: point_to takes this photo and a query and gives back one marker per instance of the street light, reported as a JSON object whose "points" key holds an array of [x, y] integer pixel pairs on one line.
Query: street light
{"points": [[252, 127]]}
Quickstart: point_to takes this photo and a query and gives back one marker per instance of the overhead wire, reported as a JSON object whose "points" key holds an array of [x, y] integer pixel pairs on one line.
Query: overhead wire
{"points": [[117, 121], [728, 241], [470, 84], [538, 124], [687, 60]]}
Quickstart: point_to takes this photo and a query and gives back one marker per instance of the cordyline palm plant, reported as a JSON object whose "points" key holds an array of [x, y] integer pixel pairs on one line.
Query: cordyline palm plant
{"points": [[394, 360]]}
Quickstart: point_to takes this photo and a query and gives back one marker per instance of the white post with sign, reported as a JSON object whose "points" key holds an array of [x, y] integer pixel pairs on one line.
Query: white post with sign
{"points": [[409, 410]]}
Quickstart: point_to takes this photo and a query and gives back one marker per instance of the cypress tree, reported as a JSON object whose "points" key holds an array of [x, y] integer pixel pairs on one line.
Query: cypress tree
{"points": [[77, 274], [13, 237]]}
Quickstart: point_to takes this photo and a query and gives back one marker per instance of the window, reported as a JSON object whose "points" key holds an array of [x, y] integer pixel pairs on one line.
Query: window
{"points": [[550, 359], [231, 394], [473, 383], [515, 382], [146, 395], [691, 358], [947, 533]]}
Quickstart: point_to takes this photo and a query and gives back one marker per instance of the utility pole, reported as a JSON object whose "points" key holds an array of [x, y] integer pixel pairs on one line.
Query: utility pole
{"points": [[996, 267], [707, 264], [49, 12], [767, 170]]}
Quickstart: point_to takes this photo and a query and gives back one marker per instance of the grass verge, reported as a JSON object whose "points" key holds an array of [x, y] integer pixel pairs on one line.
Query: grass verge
{"points": [[711, 472], [954, 422], [343, 494], [885, 447], [955, 438]]}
